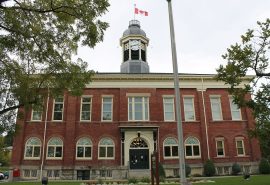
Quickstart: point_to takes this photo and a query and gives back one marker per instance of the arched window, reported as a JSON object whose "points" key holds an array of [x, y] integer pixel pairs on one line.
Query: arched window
{"points": [[84, 148], [192, 146], [32, 148], [55, 148], [106, 149], [170, 148]]}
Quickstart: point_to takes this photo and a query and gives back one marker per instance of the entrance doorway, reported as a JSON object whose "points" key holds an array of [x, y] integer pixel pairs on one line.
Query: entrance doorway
{"points": [[139, 154]]}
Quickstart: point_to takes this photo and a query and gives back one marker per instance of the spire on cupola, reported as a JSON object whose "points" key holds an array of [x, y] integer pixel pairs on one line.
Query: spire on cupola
{"points": [[134, 48]]}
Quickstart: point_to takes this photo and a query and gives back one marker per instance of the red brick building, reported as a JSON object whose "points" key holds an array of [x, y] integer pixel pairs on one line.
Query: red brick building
{"points": [[121, 118]]}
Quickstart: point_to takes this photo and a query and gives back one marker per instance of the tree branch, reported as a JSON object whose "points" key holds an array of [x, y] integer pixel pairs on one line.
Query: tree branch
{"points": [[52, 9], [260, 74]]}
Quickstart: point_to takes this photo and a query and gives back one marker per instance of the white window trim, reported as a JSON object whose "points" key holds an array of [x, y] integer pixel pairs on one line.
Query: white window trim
{"points": [[106, 158], [84, 158], [62, 109], [107, 96], [243, 145], [55, 158], [86, 96], [143, 108], [239, 109], [167, 120], [170, 157], [34, 119], [223, 146], [192, 157], [25, 146], [53, 174], [30, 173], [220, 107], [106, 173], [189, 96]]}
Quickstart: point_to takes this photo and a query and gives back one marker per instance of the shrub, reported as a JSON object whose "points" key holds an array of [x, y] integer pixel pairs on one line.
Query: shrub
{"points": [[100, 181], [188, 170], [161, 172], [133, 180], [196, 175], [236, 169], [145, 179], [209, 168], [264, 166]]}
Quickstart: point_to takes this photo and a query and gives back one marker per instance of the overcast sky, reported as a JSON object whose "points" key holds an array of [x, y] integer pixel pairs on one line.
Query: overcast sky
{"points": [[203, 30]]}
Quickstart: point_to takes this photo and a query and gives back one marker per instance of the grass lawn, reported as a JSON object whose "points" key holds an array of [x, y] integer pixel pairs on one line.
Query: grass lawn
{"points": [[254, 180], [239, 180], [39, 183]]}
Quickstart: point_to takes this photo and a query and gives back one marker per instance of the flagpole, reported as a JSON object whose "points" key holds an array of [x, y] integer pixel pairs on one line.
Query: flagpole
{"points": [[134, 10], [181, 154]]}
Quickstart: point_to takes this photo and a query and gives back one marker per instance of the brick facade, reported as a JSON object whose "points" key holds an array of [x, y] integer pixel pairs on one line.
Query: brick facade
{"points": [[71, 129]]}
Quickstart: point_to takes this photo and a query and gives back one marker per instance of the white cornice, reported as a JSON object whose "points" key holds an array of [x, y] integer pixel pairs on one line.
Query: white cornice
{"points": [[157, 80]]}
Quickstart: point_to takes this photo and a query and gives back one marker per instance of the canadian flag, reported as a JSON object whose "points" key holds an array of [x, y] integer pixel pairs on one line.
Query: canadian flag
{"points": [[141, 12]]}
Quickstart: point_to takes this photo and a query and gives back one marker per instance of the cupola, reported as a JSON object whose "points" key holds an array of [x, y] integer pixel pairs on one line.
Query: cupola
{"points": [[134, 49]]}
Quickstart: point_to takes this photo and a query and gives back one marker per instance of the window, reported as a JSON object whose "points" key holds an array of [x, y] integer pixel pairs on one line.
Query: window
{"points": [[30, 173], [32, 148], [216, 108], [220, 147], [105, 173], [106, 149], [240, 146], [58, 109], [138, 108], [53, 173], [176, 172], [107, 103], [170, 148], [36, 114], [86, 108], [168, 106], [235, 111], [55, 148], [84, 148], [192, 146], [189, 109]]}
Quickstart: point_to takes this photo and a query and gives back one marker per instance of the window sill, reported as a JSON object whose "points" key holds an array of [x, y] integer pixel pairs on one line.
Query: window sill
{"points": [[60, 158], [30, 158], [83, 159], [105, 158], [33, 121], [199, 157], [170, 158], [240, 156], [138, 120], [191, 121]]}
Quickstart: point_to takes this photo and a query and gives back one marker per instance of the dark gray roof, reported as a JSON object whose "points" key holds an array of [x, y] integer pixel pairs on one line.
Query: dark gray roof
{"points": [[134, 28]]}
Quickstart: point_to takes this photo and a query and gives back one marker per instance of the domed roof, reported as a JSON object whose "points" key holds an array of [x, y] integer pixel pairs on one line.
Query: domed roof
{"points": [[134, 28]]}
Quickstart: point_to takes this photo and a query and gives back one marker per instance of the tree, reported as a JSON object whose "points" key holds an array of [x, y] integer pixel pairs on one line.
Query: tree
{"points": [[251, 56], [4, 154], [38, 41]]}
